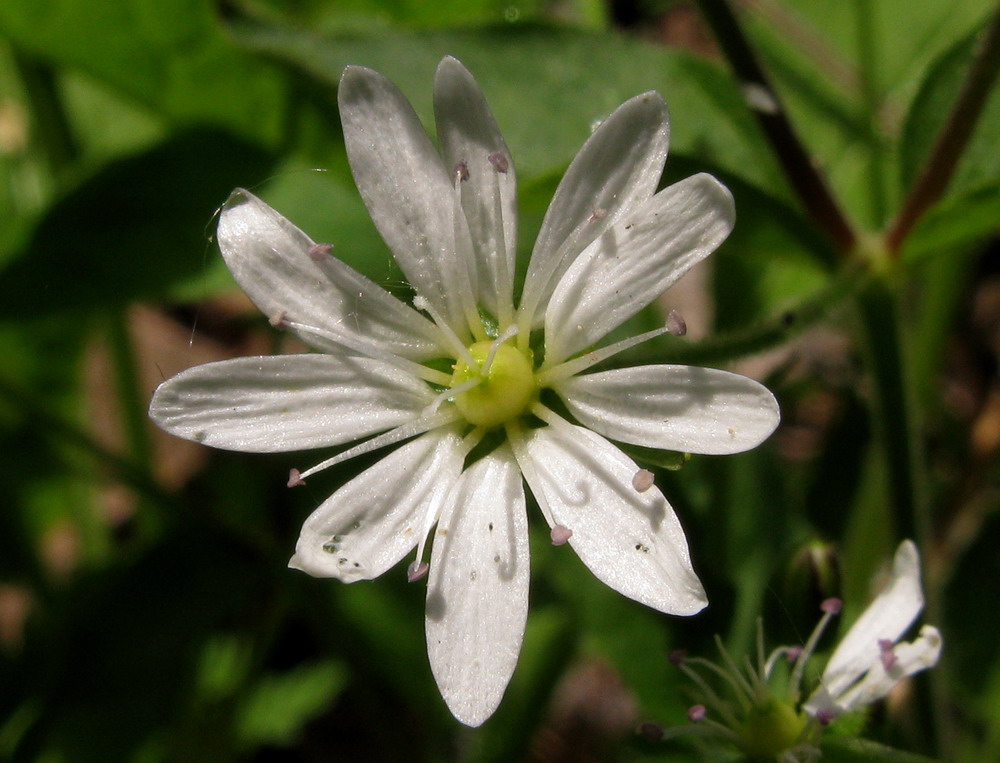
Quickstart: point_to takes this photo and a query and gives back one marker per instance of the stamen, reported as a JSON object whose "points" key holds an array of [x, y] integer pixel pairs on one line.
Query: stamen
{"points": [[505, 278], [295, 478], [560, 535], [416, 570], [370, 350], [549, 376], [676, 324], [722, 708], [449, 393], [697, 713], [318, 252], [471, 440], [510, 332], [499, 161], [402, 432], [830, 608], [537, 285], [465, 258], [515, 437], [825, 716], [458, 347], [886, 655], [642, 480]]}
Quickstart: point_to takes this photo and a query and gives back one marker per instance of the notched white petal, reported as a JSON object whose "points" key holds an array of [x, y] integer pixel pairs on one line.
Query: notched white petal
{"points": [[910, 658], [617, 169], [631, 541], [887, 617], [681, 408], [277, 265], [371, 523], [635, 261], [286, 402], [477, 596], [468, 134], [404, 185]]}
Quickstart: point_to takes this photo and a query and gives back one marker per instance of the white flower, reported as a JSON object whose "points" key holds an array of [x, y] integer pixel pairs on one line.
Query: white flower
{"points": [[607, 248], [869, 662]]}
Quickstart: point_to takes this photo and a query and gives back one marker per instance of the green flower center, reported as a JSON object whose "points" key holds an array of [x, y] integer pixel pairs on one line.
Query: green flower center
{"points": [[506, 387], [770, 728]]}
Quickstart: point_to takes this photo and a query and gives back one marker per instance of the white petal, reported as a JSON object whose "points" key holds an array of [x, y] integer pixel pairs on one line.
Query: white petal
{"points": [[911, 657], [287, 402], [370, 523], [406, 187], [887, 617], [635, 261], [617, 169], [682, 408], [631, 541], [269, 257], [477, 599], [468, 133]]}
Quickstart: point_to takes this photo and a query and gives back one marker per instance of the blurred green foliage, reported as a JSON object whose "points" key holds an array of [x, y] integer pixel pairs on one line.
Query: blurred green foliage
{"points": [[145, 609]]}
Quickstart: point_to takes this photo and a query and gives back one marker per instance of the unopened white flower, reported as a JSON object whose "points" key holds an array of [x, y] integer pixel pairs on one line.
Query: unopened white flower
{"points": [[869, 661], [608, 246]]}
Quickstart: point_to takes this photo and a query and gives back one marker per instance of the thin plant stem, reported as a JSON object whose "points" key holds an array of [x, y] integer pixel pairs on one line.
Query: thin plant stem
{"points": [[867, 47], [805, 179], [953, 139]]}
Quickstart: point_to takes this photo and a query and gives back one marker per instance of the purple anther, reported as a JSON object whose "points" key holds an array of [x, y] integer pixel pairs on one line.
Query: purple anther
{"points": [[597, 214], [793, 653], [499, 162], [642, 480], [886, 654], [295, 478], [832, 606], [416, 571], [279, 320], [560, 534], [677, 657], [461, 171], [676, 324], [317, 252], [825, 716], [697, 713]]}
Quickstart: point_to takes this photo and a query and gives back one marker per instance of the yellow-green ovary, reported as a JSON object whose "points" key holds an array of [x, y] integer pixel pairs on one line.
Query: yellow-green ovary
{"points": [[507, 391]]}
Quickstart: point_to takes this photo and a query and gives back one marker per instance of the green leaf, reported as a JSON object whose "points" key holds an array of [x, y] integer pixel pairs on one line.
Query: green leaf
{"points": [[547, 86], [281, 704], [137, 227], [979, 167], [172, 57], [955, 224], [847, 72]]}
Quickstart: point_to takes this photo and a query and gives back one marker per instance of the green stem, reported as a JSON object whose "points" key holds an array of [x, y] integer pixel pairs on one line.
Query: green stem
{"points": [[953, 139], [767, 334], [867, 47], [808, 183], [897, 418]]}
